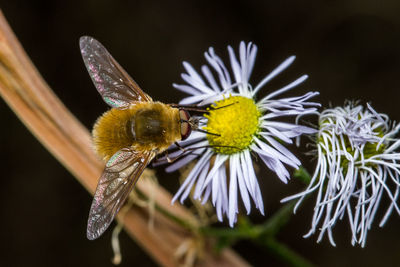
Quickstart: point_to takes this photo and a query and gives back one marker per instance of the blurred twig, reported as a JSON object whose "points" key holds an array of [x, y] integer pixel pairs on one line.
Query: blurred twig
{"points": [[62, 134]]}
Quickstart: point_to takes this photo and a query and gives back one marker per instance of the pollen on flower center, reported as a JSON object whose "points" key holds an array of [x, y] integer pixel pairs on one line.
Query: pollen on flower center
{"points": [[235, 121]]}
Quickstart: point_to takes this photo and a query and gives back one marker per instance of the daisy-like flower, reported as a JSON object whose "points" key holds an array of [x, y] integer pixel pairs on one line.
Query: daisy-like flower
{"points": [[357, 165], [240, 125]]}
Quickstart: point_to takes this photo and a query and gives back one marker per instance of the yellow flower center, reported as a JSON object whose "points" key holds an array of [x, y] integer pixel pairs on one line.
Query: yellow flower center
{"points": [[235, 121]]}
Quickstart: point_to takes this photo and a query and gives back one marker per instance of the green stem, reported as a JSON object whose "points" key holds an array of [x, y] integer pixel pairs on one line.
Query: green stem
{"points": [[246, 230], [284, 253], [303, 175], [232, 233], [275, 223]]}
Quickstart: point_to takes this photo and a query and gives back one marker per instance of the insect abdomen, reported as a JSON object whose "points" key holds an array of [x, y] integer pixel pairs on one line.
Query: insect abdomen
{"points": [[111, 133]]}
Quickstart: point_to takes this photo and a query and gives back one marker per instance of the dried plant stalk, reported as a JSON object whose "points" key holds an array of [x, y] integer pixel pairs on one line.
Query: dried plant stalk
{"points": [[64, 136]]}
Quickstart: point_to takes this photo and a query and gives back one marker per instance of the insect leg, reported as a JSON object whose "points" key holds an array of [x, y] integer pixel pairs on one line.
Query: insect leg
{"points": [[179, 146]]}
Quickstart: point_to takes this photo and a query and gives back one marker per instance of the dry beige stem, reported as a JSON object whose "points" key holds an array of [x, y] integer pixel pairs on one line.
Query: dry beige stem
{"points": [[63, 135]]}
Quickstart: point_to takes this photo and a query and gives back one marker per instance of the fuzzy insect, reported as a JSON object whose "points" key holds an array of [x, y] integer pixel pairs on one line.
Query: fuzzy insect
{"points": [[129, 135]]}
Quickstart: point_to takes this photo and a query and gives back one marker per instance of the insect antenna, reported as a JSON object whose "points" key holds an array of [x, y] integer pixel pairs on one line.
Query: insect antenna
{"points": [[202, 109], [214, 108], [210, 146], [206, 132]]}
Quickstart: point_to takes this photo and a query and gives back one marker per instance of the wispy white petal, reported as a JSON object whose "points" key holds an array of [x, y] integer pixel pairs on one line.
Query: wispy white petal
{"points": [[356, 167]]}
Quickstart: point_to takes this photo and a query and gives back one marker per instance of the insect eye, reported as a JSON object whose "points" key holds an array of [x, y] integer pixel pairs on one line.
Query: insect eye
{"points": [[186, 129]]}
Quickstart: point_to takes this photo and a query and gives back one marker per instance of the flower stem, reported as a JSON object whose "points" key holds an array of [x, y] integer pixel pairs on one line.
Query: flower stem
{"points": [[303, 175], [284, 253], [274, 224]]}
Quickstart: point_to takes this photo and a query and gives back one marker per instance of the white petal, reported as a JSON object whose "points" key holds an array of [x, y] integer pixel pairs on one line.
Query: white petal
{"points": [[192, 175], [186, 89], [219, 67], [193, 99], [232, 196], [242, 187], [200, 181], [275, 72], [252, 52], [210, 78], [287, 87], [219, 160]]}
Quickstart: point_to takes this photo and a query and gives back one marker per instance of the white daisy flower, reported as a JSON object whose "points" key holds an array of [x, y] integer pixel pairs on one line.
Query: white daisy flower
{"points": [[357, 165], [242, 125]]}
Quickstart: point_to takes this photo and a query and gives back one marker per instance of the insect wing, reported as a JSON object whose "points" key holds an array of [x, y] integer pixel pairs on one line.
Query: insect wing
{"points": [[116, 87], [118, 178]]}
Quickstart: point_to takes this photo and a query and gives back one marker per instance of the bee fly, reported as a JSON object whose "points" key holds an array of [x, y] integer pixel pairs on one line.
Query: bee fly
{"points": [[129, 135]]}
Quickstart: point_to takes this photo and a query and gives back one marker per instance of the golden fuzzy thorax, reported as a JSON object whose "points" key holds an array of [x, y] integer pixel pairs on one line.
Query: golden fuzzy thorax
{"points": [[144, 126]]}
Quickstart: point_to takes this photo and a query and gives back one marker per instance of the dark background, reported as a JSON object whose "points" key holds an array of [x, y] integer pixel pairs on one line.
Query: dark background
{"points": [[350, 49]]}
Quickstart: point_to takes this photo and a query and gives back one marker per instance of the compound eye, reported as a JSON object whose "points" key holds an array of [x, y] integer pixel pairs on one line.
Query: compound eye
{"points": [[186, 129]]}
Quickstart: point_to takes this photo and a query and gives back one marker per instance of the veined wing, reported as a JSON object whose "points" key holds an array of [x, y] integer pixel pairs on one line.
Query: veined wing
{"points": [[118, 179], [116, 87]]}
